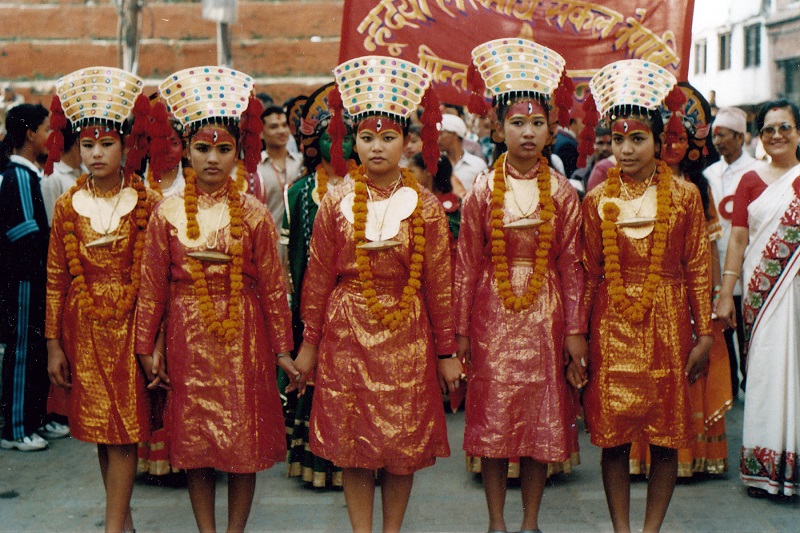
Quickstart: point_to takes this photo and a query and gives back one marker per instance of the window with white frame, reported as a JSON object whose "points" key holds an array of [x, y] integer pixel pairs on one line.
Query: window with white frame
{"points": [[752, 45], [700, 57], [725, 50]]}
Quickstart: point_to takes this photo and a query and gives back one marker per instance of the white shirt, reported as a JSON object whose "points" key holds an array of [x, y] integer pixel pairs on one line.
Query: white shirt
{"points": [[468, 168], [274, 183], [60, 181], [723, 179]]}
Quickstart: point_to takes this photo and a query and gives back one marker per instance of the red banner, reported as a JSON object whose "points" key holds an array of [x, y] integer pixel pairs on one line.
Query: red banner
{"points": [[440, 34]]}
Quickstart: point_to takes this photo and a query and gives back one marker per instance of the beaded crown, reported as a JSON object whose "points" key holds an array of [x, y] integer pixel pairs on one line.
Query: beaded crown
{"points": [[206, 94], [373, 85], [631, 85], [104, 95], [514, 67]]}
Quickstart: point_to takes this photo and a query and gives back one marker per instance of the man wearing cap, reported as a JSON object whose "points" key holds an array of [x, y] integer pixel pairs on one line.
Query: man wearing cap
{"points": [[466, 166], [723, 177]]}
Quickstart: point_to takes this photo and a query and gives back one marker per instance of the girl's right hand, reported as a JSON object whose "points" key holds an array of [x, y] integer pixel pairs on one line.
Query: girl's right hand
{"points": [[57, 365], [726, 311], [463, 349], [155, 368], [304, 363]]}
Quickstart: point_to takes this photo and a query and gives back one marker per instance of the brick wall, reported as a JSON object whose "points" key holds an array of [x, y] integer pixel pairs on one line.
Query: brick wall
{"points": [[287, 45]]}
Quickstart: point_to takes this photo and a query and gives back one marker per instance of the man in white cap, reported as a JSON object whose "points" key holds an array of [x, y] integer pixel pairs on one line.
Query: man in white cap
{"points": [[723, 177], [466, 166]]}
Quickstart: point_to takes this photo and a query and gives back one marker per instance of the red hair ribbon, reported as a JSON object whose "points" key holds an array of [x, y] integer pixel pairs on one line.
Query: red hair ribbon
{"points": [[136, 141], [562, 97], [477, 88], [159, 130], [591, 118], [250, 133], [430, 119], [55, 142]]}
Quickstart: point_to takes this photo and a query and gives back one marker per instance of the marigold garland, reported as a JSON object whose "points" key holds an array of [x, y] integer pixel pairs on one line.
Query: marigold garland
{"points": [[635, 310], [322, 177], [499, 259], [190, 196], [227, 329], [123, 306], [389, 318]]}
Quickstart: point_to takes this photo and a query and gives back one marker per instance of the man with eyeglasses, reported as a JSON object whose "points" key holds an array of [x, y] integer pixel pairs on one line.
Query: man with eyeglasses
{"points": [[723, 177]]}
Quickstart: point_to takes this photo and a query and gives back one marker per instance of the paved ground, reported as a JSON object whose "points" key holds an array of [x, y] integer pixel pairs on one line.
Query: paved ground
{"points": [[60, 490]]}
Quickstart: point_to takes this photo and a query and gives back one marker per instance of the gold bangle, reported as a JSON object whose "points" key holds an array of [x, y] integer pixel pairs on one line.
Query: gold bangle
{"points": [[730, 273]]}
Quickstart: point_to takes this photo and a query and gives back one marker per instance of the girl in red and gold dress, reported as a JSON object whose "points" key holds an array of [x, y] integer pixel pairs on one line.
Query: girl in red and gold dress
{"points": [[93, 267], [685, 151], [376, 301], [213, 268], [519, 288], [648, 264]]}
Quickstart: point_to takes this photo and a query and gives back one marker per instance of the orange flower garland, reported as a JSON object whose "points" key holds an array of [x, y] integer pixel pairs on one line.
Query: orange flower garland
{"points": [[190, 196], [322, 177], [499, 259], [635, 310], [228, 329], [124, 305], [393, 318]]}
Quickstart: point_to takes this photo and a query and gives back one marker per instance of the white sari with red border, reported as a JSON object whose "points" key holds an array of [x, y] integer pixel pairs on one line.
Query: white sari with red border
{"points": [[771, 429]]}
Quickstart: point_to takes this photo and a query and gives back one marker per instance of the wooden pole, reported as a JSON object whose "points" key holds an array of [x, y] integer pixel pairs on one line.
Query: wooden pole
{"points": [[129, 11], [224, 45]]}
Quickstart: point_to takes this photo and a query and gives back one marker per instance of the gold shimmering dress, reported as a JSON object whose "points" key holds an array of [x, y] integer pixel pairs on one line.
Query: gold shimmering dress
{"points": [[224, 411], [519, 403], [108, 402], [637, 388], [377, 402]]}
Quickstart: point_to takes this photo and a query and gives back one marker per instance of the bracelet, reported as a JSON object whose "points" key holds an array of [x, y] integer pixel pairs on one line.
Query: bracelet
{"points": [[282, 354], [448, 356], [730, 273]]}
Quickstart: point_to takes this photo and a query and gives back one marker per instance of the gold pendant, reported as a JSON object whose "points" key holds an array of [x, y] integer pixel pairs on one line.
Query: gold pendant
{"points": [[210, 256], [103, 241], [379, 245], [636, 222], [524, 223]]}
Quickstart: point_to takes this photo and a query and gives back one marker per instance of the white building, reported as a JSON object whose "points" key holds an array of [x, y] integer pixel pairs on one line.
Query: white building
{"points": [[745, 52]]}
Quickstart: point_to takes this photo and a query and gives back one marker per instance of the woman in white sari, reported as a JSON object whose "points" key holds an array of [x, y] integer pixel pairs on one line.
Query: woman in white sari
{"points": [[765, 249]]}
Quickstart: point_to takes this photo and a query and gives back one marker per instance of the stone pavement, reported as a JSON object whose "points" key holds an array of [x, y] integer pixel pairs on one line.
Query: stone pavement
{"points": [[60, 490]]}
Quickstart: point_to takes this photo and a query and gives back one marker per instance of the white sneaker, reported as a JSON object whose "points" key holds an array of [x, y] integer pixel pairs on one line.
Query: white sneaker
{"points": [[53, 430], [25, 444]]}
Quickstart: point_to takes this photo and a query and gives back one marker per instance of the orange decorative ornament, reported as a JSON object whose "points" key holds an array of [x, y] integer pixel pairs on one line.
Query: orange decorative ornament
{"points": [[389, 318], [227, 329], [635, 310], [499, 259], [124, 305]]}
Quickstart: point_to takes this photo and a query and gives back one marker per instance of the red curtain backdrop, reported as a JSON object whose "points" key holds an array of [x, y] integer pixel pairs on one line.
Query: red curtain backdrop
{"points": [[440, 34]]}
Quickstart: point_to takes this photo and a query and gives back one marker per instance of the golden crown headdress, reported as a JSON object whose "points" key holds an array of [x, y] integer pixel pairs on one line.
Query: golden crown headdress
{"points": [[513, 67], [631, 85], [373, 85], [206, 94], [104, 95]]}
